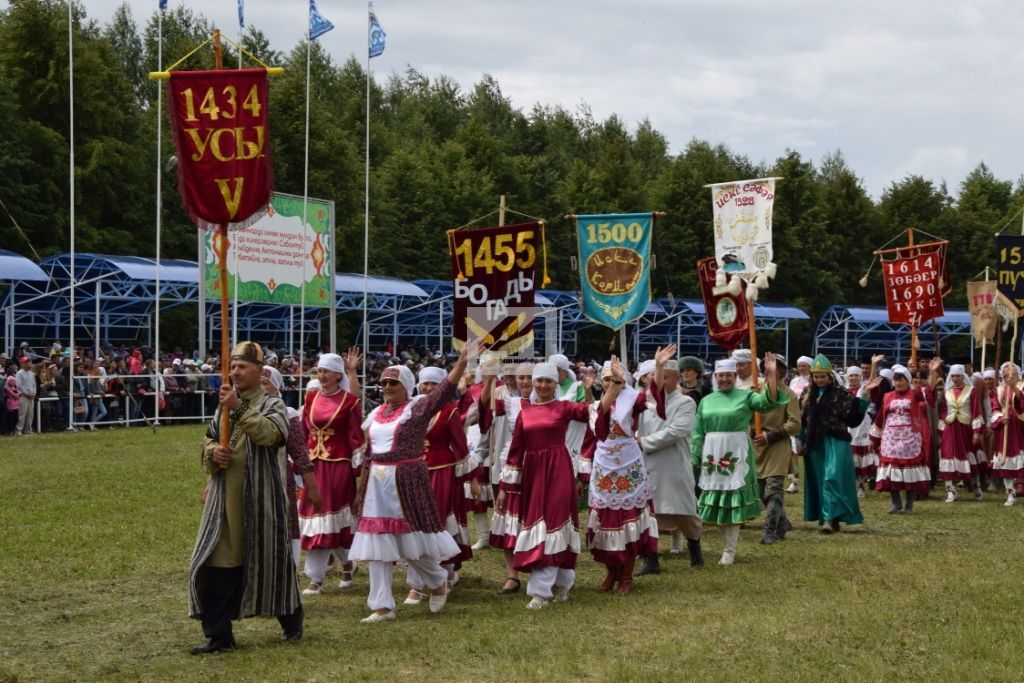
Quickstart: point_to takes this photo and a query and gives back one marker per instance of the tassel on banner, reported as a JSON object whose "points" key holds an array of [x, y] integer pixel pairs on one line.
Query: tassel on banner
{"points": [[752, 293], [545, 281], [720, 278], [735, 286], [451, 251]]}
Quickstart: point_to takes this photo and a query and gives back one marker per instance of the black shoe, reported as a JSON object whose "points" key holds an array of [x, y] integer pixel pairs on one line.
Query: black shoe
{"points": [[696, 557], [214, 646], [651, 566], [291, 636], [513, 589], [784, 526]]}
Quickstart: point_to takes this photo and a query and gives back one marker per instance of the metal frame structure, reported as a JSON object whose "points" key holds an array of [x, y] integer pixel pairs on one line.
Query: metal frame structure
{"points": [[685, 322], [859, 330]]}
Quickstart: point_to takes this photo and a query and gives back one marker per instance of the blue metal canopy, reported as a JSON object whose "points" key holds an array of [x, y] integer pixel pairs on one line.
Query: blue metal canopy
{"points": [[858, 332], [15, 267]]}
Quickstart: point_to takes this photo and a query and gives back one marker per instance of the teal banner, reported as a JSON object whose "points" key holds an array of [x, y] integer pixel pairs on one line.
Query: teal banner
{"points": [[615, 272]]}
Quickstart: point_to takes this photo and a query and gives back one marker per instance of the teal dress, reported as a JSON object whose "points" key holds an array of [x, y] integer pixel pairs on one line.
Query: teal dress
{"points": [[723, 451], [830, 480]]}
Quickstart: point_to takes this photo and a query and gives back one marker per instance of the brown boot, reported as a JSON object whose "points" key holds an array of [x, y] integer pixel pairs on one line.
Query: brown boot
{"points": [[626, 582], [614, 574]]}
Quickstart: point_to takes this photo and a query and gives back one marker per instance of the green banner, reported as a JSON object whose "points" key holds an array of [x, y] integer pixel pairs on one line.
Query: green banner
{"points": [[615, 266], [280, 259]]}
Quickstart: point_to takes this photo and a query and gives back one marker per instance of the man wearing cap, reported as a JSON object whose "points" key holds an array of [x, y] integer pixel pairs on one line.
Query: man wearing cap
{"points": [[691, 379], [570, 388], [242, 562], [25, 380], [744, 368], [773, 452], [666, 446]]}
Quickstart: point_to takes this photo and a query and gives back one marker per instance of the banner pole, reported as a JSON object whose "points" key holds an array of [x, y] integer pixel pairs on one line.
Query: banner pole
{"points": [[913, 328], [622, 347], [984, 344], [225, 361], [753, 365], [366, 213], [71, 217], [305, 217]]}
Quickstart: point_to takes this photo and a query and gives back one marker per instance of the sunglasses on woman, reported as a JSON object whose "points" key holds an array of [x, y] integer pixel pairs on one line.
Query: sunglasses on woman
{"points": [[389, 382]]}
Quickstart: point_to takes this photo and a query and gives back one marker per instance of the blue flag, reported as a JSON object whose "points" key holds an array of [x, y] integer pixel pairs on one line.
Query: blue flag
{"points": [[163, 4], [317, 24], [377, 35], [615, 270], [241, 13]]}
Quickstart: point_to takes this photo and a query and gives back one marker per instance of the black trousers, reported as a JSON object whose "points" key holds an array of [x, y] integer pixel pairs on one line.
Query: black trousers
{"points": [[222, 599]]}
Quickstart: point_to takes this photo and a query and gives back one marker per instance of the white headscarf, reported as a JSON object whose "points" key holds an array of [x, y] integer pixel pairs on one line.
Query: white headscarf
{"points": [[432, 375], [805, 360], [741, 356], [334, 363], [313, 385], [955, 370], [901, 370], [546, 371], [726, 365], [886, 373], [989, 374], [646, 368], [403, 374], [561, 362], [855, 370]]}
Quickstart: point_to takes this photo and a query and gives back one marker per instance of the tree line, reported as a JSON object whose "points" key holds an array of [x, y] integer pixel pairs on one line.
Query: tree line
{"points": [[440, 156]]}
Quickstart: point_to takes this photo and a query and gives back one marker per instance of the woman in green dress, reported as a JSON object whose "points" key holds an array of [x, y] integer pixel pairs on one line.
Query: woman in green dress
{"points": [[723, 450], [830, 480]]}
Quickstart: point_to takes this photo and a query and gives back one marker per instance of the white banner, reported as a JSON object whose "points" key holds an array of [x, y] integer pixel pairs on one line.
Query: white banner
{"points": [[743, 229]]}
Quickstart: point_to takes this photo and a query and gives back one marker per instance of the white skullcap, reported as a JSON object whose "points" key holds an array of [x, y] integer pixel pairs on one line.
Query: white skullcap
{"points": [[275, 378], [901, 370], [546, 371], [886, 373], [957, 370], [176, 361], [332, 362], [524, 369], [206, 368], [432, 375], [646, 368], [740, 356], [854, 370], [977, 376], [560, 361], [403, 374], [727, 365], [989, 374], [804, 360], [313, 385]]}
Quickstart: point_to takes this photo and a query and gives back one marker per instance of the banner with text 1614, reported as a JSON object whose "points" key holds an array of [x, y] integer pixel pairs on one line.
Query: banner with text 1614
{"points": [[493, 273], [913, 289]]}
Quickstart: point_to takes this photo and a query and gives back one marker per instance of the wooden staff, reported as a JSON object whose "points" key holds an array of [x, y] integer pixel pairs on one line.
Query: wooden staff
{"points": [[222, 274], [753, 364]]}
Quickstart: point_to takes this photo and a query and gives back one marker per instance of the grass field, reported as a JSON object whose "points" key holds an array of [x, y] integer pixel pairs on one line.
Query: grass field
{"points": [[97, 529]]}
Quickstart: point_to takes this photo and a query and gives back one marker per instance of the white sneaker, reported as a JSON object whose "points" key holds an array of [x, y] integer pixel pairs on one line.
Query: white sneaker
{"points": [[482, 543], [561, 594], [728, 557], [313, 589], [978, 493], [950, 496], [860, 492], [537, 603], [677, 543], [347, 583], [415, 597], [1010, 499], [792, 488], [437, 602], [376, 618], [454, 581]]}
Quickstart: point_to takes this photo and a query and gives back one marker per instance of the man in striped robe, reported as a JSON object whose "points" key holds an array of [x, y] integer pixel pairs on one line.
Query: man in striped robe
{"points": [[242, 563]]}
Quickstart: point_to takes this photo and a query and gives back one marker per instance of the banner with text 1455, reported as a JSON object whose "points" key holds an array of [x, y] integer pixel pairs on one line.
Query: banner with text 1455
{"points": [[913, 290]]}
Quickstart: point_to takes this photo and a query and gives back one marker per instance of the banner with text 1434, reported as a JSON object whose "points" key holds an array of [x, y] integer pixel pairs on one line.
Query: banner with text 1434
{"points": [[493, 273], [913, 288], [615, 272], [219, 124]]}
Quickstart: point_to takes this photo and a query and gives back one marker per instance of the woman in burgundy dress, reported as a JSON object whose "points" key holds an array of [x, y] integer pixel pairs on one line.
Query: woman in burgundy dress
{"points": [[331, 422], [540, 469], [398, 518], [450, 465]]}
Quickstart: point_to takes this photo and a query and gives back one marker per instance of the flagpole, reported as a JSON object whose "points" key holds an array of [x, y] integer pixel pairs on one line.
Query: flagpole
{"points": [[159, 198], [305, 212], [71, 185], [366, 209]]}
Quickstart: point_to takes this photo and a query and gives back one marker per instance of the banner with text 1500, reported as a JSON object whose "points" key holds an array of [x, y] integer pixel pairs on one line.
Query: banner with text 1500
{"points": [[219, 123], [913, 292], [615, 274], [493, 272]]}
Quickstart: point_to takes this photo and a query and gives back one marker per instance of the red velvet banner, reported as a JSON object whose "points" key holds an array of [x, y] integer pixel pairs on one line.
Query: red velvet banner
{"points": [[219, 124], [913, 288], [494, 273], [939, 249], [726, 313]]}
